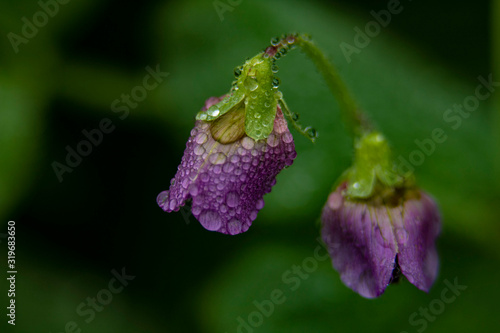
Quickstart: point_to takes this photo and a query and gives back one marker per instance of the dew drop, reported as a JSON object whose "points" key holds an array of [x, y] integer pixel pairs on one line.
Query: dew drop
{"points": [[217, 158], [311, 132], [273, 140], [172, 204], [287, 137], [193, 190], [199, 150], [204, 177], [210, 220], [267, 104], [213, 113], [234, 159], [275, 41], [276, 82], [232, 199], [234, 227], [274, 68], [241, 150], [217, 169], [203, 116], [260, 204], [295, 116], [196, 210], [201, 138], [251, 83], [223, 208], [247, 143], [237, 71], [228, 167]]}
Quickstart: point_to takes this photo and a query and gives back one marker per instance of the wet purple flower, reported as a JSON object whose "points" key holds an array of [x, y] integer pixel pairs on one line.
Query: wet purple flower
{"points": [[371, 241], [226, 173]]}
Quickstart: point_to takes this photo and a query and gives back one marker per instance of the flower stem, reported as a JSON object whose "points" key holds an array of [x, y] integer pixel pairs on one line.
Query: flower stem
{"points": [[355, 121]]}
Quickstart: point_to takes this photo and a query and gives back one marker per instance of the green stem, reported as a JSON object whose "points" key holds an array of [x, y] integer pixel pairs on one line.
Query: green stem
{"points": [[355, 120]]}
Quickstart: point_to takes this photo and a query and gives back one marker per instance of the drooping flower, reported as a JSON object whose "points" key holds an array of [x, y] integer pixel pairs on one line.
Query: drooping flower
{"points": [[238, 146], [378, 225]]}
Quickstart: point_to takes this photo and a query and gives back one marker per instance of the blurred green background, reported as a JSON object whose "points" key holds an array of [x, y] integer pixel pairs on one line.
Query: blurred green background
{"points": [[103, 215]]}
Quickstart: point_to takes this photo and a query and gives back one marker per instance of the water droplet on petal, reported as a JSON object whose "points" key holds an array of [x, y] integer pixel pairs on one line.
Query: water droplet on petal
{"points": [[235, 159], [228, 167], [196, 210], [210, 220], [173, 204], [247, 143], [273, 140], [201, 138], [217, 158], [232, 199], [274, 68], [260, 204], [193, 190], [287, 137], [234, 227], [199, 150]]}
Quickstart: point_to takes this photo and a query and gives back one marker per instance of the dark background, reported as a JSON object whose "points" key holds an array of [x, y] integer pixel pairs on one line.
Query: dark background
{"points": [[70, 235]]}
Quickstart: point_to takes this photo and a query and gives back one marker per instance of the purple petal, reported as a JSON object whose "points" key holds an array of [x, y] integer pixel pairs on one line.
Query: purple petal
{"points": [[418, 257], [364, 236], [228, 181], [360, 242]]}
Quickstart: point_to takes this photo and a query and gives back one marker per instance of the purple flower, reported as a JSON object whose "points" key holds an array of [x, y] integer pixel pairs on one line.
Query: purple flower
{"points": [[372, 241], [226, 173]]}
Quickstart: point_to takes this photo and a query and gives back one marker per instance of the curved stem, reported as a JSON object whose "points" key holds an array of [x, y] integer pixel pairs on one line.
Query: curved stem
{"points": [[355, 120]]}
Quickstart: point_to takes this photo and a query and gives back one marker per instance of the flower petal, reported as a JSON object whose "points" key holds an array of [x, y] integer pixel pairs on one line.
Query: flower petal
{"points": [[360, 242], [418, 257], [228, 181]]}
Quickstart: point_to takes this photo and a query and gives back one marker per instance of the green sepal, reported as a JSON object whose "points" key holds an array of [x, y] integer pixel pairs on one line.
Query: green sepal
{"points": [[373, 165], [261, 101], [223, 107]]}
